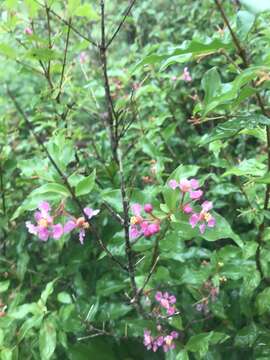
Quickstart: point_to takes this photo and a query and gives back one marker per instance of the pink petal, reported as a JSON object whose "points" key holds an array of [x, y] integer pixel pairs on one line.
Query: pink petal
{"points": [[202, 228], [136, 209], [193, 220], [185, 185], [173, 184], [57, 231], [44, 206], [144, 225], [134, 233], [195, 195], [43, 233], [165, 303], [171, 310], [207, 205], [153, 228], [187, 209], [172, 299], [212, 222], [90, 212], [32, 229], [81, 236], [194, 184], [174, 334], [69, 226], [37, 215], [158, 296]]}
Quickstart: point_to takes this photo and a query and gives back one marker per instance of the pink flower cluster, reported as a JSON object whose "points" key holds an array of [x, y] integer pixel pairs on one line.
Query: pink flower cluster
{"points": [[164, 341], [45, 226], [166, 301], [192, 188], [140, 225]]}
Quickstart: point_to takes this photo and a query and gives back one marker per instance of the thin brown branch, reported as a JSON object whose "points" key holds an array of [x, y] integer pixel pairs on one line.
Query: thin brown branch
{"points": [[126, 13], [76, 31], [64, 62], [112, 116], [149, 275]]}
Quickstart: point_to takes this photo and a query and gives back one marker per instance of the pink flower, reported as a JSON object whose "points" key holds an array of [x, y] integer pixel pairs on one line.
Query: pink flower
{"points": [[80, 223], [187, 186], [90, 212], [174, 78], [166, 301], [168, 343], [204, 218], [164, 341], [195, 195], [186, 75], [45, 226], [28, 31], [148, 340]]}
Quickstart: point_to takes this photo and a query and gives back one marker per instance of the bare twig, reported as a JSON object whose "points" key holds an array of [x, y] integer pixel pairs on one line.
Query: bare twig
{"points": [[64, 62], [112, 117], [76, 31], [126, 13], [149, 275]]}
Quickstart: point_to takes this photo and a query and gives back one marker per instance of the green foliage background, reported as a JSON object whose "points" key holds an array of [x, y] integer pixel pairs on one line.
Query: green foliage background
{"points": [[61, 300]]}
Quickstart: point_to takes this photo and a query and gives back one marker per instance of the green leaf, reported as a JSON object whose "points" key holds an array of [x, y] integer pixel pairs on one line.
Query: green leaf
{"points": [[232, 127], [177, 59], [247, 167], [51, 188], [47, 292], [246, 336], [245, 21], [72, 6], [263, 301], [47, 340], [6, 354], [34, 321], [257, 6], [21, 311], [106, 287], [42, 54], [87, 11], [187, 51], [182, 355], [200, 342], [4, 285], [64, 298], [8, 51], [85, 186], [211, 84]]}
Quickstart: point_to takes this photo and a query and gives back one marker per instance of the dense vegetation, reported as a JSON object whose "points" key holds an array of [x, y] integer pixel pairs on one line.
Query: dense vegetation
{"points": [[134, 179]]}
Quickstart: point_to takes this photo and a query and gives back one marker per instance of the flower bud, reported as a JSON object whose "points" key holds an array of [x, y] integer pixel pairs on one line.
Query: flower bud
{"points": [[148, 208]]}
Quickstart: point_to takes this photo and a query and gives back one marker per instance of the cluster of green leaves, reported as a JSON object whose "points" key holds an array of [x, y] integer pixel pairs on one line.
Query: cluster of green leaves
{"points": [[63, 300]]}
